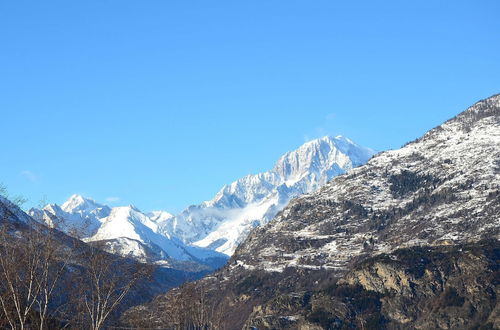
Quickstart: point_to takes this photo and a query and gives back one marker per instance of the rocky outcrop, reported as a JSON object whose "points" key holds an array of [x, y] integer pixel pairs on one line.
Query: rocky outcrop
{"points": [[446, 287]]}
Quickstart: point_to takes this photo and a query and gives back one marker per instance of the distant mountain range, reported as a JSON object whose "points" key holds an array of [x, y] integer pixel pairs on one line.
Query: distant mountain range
{"points": [[126, 231], [205, 235]]}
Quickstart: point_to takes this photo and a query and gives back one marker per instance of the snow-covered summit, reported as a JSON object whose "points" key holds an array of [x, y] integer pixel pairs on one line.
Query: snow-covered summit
{"points": [[309, 166], [125, 218], [129, 222], [78, 202], [223, 222], [86, 207], [318, 158], [79, 215]]}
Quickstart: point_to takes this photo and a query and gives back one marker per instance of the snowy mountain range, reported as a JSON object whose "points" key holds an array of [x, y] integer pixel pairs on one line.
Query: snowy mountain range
{"points": [[206, 234], [225, 221], [126, 231]]}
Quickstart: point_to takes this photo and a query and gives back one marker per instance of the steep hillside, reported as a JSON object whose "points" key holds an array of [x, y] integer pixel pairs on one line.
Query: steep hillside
{"points": [[445, 287], [442, 189]]}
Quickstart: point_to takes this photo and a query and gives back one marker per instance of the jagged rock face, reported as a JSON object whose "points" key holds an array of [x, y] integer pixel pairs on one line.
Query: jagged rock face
{"points": [[224, 222], [446, 287], [441, 189]]}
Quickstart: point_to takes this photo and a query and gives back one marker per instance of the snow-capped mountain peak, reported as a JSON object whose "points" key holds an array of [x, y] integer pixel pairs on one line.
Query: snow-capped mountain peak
{"points": [[79, 203], [126, 226], [316, 156], [123, 214], [79, 215], [224, 221]]}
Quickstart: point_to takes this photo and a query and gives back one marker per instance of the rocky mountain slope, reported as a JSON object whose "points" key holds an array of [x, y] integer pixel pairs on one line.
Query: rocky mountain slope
{"points": [[442, 189], [225, 221], [443, 287]]}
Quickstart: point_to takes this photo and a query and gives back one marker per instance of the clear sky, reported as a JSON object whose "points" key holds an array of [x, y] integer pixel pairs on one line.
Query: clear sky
{"points": [[160, 103]]}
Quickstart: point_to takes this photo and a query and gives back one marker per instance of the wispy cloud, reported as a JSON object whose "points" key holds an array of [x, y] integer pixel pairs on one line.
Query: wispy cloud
{"points": [[112, 199], [29, 175]]}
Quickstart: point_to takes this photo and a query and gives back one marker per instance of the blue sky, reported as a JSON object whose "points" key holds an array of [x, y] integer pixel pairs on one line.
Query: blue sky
{"points": [[160, 103]]}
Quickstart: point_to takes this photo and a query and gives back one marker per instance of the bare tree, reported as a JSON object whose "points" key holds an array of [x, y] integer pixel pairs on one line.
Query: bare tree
{"points": [[17, 200], [37, 261], [29, 272], [204, 313], [102, 285], [189, 307]]}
